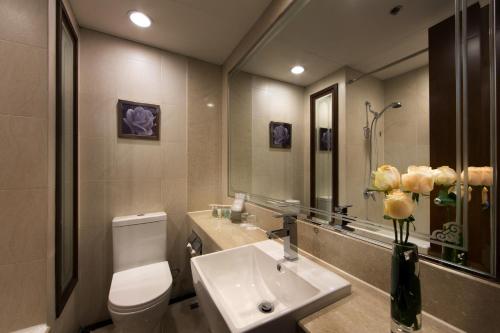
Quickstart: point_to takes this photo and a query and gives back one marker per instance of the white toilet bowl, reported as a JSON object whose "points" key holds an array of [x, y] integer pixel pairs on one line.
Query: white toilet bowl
{"points": [[138, 298]]}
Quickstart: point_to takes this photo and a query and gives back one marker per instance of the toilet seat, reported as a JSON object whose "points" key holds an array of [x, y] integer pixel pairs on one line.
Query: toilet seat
{"points": [[139, 288]]}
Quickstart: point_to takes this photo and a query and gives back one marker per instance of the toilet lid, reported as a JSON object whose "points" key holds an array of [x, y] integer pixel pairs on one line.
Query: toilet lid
{"points": [[139, 287]]}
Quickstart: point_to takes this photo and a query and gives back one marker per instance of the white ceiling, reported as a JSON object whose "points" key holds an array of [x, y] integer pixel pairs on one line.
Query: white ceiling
{"points": [[205, 29], [327, 35]]}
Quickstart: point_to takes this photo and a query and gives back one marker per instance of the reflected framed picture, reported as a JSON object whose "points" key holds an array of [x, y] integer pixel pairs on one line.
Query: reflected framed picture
{"points": [[138, 120], [280, 135], [325, 139]]}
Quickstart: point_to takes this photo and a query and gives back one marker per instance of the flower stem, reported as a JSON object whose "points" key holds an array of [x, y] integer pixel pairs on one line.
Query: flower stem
{"points": [[401, 224], [395, 230], [407, 231]]}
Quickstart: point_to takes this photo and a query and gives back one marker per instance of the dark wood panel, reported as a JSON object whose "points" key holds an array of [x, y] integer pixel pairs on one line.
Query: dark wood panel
{"points": [[442, 120]]}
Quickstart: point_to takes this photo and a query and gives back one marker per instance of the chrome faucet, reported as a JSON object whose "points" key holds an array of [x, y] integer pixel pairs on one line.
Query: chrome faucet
{"points": [[289, 235]]}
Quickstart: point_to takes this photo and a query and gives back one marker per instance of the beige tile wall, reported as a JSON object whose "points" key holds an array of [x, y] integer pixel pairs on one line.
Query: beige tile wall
{"points": [[358, 174], [407, 129], [23, 166], [240, 154], [120, 176], [277, 173], [255, 167], [204, 134]]}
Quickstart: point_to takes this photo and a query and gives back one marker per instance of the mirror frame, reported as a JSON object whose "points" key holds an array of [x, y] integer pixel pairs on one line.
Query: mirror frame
{"points": [[63, 293], [289, 14], [334, 90]]}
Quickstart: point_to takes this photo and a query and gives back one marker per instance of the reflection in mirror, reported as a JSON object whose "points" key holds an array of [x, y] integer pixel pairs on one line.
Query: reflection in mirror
{"points": [[410, 87], [324, 150], [66, 160]]}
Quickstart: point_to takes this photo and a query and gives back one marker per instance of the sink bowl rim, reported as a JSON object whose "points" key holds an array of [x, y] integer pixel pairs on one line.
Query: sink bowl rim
{"points": [[216, 296]]}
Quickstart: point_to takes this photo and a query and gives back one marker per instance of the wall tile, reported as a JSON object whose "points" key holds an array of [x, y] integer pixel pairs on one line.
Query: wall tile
{"points": [[24, 21], [23, 224], [174, 123], [23, 289], [139, 81], [175, 160], [97, 115], [135, 196], [135, 159], [94, 275], [23, 152], [23, 88], [173, 80], [94, 203], [95, 158]]}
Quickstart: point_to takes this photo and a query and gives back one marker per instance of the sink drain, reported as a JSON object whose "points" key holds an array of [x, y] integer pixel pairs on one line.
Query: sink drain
{"points": [[266, 307]]}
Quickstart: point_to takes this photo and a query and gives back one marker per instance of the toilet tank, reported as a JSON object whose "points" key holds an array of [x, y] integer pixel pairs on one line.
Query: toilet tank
{"points": [[139, 240]]}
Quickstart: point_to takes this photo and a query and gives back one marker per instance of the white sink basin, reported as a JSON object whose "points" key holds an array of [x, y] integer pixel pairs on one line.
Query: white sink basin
{"points": [[231, 284]]}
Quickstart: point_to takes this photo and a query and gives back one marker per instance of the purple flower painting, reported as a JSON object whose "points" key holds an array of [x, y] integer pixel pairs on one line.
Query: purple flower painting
{"points": [[280, 135], [138, 120]]}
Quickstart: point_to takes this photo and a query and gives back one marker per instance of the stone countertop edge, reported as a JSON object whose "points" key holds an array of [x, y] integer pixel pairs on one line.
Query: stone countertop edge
{"points": [[366, 309]]}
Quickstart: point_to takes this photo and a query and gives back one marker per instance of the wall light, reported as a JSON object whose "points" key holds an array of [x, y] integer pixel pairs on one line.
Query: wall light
{"points": [[297, 70], [139, 19]]}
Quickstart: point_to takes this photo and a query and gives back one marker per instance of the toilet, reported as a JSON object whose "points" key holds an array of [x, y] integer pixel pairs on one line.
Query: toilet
{"points": [[142, 282]]}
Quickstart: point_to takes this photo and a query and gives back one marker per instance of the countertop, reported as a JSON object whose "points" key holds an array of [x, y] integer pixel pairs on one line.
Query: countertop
{"points": [[367, 309]]}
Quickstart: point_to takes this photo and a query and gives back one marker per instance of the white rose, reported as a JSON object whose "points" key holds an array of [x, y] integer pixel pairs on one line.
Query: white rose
{"points": [[477, 176], [444, 175], [398, 205], [487, 176], [419, 179], [386, 178]]}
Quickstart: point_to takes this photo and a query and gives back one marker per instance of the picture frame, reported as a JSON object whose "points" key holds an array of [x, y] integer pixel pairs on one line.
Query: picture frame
{"points": [[280, 135], [138, 120], [325, 139]]}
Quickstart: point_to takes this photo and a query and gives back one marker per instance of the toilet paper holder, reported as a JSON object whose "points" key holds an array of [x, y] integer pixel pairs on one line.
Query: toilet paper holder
{"points": [[194, 245]]}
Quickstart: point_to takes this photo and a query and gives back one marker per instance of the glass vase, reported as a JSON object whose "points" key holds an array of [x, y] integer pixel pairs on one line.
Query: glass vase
{"points": [[406, 301]]}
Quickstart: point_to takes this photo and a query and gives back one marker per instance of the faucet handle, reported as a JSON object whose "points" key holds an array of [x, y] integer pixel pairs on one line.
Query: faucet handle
{"points": [[341, 209]]}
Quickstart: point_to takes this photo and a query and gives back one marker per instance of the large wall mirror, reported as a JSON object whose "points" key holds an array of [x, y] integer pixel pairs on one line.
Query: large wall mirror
{"points": [[66, 158], [409, 85]]}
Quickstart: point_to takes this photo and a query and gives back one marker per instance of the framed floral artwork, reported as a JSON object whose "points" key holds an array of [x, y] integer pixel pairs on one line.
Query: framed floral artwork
{"points": [[325, 139], [138, 120], [280, 135]]}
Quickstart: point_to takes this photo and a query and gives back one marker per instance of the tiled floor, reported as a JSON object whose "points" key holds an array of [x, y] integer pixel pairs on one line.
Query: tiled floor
{"points": [[180, 319]]}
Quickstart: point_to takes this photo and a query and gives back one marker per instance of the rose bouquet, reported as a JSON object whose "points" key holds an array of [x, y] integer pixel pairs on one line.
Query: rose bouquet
{"points": [[401, 195]]}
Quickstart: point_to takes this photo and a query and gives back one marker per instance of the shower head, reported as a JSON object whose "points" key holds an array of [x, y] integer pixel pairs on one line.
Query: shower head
{"points": [[393, 105]]}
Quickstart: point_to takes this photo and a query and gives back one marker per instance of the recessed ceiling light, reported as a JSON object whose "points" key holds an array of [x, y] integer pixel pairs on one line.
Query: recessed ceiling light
{"points": [[297, 70], [139, 19]]}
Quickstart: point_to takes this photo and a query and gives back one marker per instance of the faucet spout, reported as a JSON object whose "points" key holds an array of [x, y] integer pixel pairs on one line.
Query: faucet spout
{"points": [[289, 235]]}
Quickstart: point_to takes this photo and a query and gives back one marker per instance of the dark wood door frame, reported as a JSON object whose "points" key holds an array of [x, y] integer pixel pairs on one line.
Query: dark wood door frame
{"points": [[335, 143], [64, 292]]}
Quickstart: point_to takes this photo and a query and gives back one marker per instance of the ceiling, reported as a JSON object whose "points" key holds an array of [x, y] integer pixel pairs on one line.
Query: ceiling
{"points": [[206, 30], [327, 35]]}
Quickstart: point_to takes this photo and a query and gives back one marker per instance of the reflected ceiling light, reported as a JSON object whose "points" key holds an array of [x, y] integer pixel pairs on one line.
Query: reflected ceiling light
{"points": [[395, 10], [139, 19], [210, 105], [297, 70]]}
